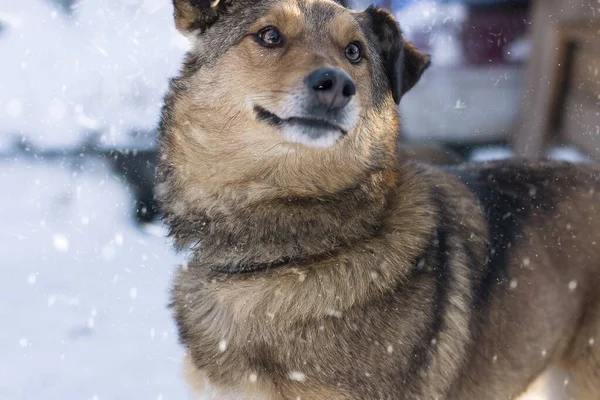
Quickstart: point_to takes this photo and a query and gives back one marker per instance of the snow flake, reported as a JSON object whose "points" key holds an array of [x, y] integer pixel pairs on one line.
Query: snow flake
{"points": [[14, 108], [334, 313], [591, 341], [133, 292], [526, 262], [32, 279], [23, 342], [297, 376], [460, 105], [390, 349], [109, 252], [222, 345], [253, 377], [572, 285], [61, 243], [513, 284]]}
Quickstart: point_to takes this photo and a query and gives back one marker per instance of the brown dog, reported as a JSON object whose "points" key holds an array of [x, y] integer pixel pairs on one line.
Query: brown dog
{"points": [[323, 266]]}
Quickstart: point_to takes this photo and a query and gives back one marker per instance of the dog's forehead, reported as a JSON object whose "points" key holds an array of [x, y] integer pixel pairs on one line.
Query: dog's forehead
{"points": [[320, 13], [315, 16], [314, 20], [307, 15]]}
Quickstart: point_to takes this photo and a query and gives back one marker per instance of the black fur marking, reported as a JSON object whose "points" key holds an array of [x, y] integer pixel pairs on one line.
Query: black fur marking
{"points": [[403, 66], [389, 41], [509, 195], [435, 261], [414, 64], [200, 3]]}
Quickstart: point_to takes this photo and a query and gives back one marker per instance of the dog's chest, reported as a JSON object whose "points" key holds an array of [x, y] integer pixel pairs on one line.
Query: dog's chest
{"points": [[203, 389], [211, 392]]}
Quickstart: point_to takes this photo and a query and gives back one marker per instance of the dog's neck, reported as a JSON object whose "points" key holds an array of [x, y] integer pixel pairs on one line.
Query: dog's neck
{"points": [[285, 229]]}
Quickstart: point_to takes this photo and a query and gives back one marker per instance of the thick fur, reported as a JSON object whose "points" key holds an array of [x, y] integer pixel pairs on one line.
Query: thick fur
{"points": [[345, 272]]}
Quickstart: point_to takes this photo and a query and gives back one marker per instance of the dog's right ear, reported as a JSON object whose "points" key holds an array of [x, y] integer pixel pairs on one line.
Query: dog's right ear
{"points": [[402, 62], [193, 16]]}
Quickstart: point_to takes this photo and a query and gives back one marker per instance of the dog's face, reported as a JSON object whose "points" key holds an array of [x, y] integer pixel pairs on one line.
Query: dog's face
{"points": [[296, 95], [302, 71], [307, 72]]}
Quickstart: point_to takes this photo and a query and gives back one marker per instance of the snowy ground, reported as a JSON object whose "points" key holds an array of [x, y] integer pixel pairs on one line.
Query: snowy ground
{"points": [[83, 291]]}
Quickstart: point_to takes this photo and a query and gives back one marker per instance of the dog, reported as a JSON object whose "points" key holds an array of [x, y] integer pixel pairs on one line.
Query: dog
{"points": [[325, 266]]}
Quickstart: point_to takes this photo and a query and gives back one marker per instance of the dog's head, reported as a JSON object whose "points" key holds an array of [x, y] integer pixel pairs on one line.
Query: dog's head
{"points": [[286, 88]]}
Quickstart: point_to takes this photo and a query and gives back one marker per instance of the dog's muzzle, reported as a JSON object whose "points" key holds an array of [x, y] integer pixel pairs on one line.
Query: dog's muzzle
{"points": [[319, 112]]}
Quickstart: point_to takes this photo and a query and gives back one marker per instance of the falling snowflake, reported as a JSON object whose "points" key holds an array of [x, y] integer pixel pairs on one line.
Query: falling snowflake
{"points": [[222, 345], [297, 376], [61, 243]]}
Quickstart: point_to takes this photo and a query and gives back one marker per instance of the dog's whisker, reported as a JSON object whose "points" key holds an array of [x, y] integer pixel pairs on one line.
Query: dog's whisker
{"points": [[229, 121]]}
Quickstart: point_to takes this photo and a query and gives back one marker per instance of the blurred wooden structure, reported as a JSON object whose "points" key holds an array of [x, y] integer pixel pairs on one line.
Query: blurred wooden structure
{"points": [[561, 103]]}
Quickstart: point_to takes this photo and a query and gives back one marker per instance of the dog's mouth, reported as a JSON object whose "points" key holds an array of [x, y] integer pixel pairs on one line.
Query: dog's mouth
{"points": [[312, 125]]}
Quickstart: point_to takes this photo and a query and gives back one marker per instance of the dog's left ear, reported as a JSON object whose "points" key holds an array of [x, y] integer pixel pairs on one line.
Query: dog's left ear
{"points": [[197, 15], [403, 63]]}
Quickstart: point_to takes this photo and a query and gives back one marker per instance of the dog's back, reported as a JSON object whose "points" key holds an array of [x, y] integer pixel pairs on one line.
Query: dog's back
{"points": [[539, 298]]}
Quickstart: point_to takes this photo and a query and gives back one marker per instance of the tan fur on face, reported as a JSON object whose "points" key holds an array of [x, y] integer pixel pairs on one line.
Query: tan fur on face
{"points": [[220, 123], [286, 16]]}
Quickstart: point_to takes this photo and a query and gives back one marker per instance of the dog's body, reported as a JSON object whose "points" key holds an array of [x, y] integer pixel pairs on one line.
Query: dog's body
{"points": [[325, 268]]}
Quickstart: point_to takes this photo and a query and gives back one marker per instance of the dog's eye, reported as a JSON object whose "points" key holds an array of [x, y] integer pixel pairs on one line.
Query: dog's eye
{"points": [[270, 36], [354, 52]]}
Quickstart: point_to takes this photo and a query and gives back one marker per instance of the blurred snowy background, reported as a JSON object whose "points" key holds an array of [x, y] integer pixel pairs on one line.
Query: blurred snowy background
{"points": [[83, 287], [84, 270], [74, 70]]}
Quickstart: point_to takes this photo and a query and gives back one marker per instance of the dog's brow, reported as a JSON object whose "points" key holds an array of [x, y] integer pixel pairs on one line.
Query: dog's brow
{"points": [[344, 29], [287, 16]]}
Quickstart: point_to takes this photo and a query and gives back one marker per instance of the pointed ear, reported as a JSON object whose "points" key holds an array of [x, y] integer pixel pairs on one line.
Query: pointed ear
{"points": [[402, 62], [415, 63], [197, 15]]}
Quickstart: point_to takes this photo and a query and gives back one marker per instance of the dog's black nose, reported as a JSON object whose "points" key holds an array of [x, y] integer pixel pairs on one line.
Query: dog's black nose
{"points": [[333, 88]]}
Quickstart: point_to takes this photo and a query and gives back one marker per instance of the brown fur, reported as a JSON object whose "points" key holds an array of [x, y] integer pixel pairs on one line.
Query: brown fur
{"points": [[342, 272]]}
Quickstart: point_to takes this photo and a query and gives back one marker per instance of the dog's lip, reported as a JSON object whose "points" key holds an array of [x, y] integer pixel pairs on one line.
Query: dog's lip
{"points": [[272, 119]]}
